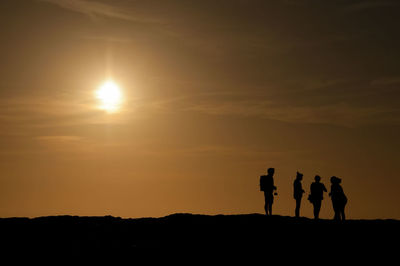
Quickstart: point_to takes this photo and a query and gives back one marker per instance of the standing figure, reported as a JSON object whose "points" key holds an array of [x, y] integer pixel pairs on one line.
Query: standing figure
{"points": [[298, 192], [267, 185], [339, 199], [317, 195]]}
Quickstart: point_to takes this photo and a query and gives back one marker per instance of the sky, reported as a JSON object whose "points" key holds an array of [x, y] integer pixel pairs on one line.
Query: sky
{"points": [[213, 94]]}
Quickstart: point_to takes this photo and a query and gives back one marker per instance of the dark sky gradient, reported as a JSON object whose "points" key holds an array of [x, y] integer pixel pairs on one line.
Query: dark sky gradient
{"points": [[215, 92]]}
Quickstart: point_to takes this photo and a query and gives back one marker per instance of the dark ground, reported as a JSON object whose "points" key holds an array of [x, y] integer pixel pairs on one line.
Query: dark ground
{"points": [[254, 236]]}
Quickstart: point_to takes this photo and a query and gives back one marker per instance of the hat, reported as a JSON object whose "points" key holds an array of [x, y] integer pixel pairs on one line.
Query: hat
{"points": [[336, 180], [299, 174]]}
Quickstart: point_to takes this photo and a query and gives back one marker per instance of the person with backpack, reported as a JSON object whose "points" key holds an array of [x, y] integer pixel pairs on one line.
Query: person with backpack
{"points": [[339, 199], [316, 196], [298, 192], [268, 187]]}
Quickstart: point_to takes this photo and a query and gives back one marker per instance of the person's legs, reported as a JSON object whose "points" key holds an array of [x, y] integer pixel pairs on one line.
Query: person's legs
{"points": [[337, 211], [342, 213], [269, 199], [314, 207], [298, 204], [270, 208], [266, 206], [317, 208]]}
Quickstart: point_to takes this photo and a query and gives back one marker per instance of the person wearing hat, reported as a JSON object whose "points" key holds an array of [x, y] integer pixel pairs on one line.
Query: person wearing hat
{"points": [[339, 199], [316, 196]]}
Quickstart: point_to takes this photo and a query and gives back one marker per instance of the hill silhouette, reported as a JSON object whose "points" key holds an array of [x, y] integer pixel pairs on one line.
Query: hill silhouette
{"points": [[255, 234]]}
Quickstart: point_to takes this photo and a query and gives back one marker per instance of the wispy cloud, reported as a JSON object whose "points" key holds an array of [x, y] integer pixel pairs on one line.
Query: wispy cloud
{"points": [[215, 150], [23, 115], [39, 110], [94, 9], [335, 113], [59, 138], [363, 5], [386, 81]]}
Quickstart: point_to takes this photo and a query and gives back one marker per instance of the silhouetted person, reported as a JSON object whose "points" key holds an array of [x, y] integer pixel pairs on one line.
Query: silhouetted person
{"points": [[267, 185], [339, 199], [298, 192], [317, 195]]}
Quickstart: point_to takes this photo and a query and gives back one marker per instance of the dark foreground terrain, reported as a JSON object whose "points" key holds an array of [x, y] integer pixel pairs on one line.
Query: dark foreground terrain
{"points": [[229, 236]]}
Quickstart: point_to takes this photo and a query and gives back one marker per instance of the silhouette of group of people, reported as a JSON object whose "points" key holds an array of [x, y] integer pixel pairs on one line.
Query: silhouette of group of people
{"points": [[317, 189]]}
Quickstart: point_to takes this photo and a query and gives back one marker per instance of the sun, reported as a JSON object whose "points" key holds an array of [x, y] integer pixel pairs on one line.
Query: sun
{"points": [[110, 96]]}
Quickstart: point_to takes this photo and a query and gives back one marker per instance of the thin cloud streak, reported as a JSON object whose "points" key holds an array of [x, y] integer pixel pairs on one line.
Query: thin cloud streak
{"points": [[59, 138], [94, 9], [365, 5], [210, 150], [22, 113], [337, 113]]}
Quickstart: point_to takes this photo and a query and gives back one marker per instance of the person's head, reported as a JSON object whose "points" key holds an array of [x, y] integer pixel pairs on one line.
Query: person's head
{"points": [[335, 180], [271, 171], [317, 178], [299, 176]]}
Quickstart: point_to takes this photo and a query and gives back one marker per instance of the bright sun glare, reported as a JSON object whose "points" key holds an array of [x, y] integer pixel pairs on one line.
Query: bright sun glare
{"points": [[110, 96]]}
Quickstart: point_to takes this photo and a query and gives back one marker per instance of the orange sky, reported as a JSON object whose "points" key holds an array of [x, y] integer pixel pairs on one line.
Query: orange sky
{"points": [[215, 92]]}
